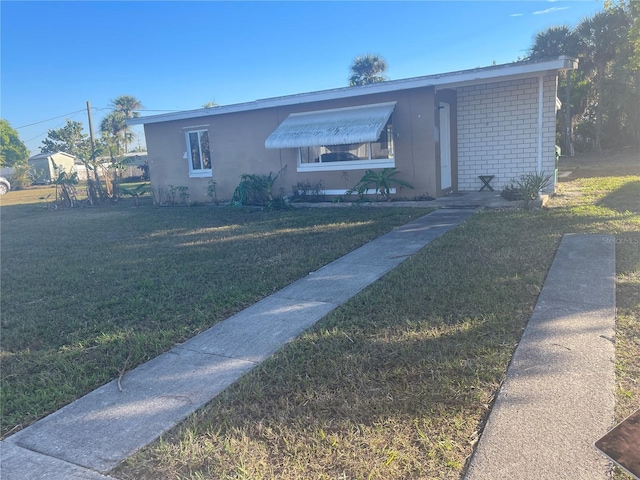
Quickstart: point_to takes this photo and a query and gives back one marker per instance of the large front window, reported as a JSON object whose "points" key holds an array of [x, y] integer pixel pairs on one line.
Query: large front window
{"points": [[351, 156], [198, 153]]}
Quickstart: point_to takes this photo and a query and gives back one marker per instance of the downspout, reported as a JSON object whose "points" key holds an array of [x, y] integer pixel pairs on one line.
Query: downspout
{"points": [[540, 105]]}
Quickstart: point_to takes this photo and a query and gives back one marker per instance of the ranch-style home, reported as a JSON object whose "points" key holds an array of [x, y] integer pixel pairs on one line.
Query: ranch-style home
{"points": [[441, 132]]}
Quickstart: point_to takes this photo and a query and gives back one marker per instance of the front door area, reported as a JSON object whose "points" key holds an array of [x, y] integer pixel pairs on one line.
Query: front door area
{"points": [[445, 146]]}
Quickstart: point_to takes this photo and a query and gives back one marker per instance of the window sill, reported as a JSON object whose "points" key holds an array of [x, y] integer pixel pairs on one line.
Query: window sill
{"points": [[338, 166], [201, 174]]}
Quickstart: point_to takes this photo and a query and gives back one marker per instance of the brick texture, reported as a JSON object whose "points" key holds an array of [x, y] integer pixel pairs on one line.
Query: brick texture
{"points": [[498, 131]]}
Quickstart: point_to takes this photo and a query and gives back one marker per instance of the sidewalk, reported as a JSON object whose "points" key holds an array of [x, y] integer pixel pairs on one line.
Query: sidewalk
{"points": [[558, 397], [90, 436]]}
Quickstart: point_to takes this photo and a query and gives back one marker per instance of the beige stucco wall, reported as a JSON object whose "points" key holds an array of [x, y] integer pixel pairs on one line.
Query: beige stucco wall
{"points": [[237, 147], [494, 131]]}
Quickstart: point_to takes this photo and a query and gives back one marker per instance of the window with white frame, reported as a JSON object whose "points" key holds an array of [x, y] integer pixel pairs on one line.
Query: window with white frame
{"points": [[198, 153], [378, 154]]}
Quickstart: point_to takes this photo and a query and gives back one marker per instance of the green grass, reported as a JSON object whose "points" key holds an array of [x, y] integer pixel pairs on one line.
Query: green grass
{"points": [[397, 383], [88, 292]]}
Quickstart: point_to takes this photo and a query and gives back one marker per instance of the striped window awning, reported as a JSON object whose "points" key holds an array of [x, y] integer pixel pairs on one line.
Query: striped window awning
{"points": [[340, 126]]}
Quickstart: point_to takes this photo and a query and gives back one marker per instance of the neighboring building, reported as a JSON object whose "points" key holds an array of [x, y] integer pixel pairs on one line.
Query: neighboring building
{"points": [[441, 132], [46, 167], [134, 166]]}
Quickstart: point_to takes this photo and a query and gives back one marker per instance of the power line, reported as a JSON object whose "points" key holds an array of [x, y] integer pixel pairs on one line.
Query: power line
{"points": [[56, 126], [49, 119], [93, 108]]}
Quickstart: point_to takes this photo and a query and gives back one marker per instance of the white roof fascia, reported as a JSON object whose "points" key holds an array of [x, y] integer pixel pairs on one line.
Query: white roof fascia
{"points": [[447, 80]]}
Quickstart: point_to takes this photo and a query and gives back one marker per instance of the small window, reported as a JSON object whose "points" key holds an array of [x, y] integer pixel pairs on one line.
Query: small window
{"points": [[198, 153]]}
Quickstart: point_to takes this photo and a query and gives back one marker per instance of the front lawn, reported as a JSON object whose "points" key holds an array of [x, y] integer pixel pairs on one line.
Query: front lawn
{"points": [[88, 293], [396, 384]]}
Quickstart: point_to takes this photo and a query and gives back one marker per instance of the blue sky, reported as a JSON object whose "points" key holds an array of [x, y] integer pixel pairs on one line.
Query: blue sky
{"points": [[180, 55]]}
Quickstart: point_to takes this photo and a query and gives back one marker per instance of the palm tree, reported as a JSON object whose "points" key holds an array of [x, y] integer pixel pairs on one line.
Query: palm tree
{"points": [[554, 42], [114, 129], [367, 69], [127, 106], [600, 38]]}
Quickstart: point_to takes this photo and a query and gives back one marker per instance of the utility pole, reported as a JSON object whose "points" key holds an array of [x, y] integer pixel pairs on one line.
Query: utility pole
{"points": [[93, 144], [567, 138]]}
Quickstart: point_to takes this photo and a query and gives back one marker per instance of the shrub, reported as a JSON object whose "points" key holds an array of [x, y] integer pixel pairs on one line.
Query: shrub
{"points": [[381, 182], [527, 187], [306, 191], [254, 189]]}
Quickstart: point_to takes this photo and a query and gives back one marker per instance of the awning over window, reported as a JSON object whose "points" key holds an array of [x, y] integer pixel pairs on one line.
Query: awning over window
{"points": [[331, 127]]}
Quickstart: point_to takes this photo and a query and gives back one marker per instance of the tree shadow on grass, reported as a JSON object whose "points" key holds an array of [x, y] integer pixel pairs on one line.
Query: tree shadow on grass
{"points": [[622, 199]]}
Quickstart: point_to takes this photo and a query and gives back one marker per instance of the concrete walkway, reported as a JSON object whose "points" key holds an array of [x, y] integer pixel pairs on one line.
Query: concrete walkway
{"points": [[90, 436], [558, 396]]}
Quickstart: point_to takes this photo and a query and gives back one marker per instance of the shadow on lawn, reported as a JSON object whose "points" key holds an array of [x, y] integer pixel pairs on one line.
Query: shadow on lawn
{"points": [[619, 199]]}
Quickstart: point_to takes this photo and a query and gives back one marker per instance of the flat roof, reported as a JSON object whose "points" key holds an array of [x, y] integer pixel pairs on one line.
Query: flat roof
{"points": [[493, 73]]}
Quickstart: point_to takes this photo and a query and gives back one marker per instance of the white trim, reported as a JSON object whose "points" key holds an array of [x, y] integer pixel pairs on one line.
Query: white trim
{"points": [[447, 80], [540, 119], [196, 127], [200, 172], [355, 165], [345, 109]]}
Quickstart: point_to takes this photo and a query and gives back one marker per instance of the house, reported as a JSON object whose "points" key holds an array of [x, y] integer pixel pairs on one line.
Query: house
{"points": [[133, 166], [441, 132], [45, 167]]}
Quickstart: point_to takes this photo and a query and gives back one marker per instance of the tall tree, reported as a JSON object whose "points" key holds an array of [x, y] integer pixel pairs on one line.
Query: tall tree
{"points": [[127, 106], [68, 139], [551, 43], [367, 69], [554, 42], [12, 150], [632, 10], [114, 130], [601, 38]]}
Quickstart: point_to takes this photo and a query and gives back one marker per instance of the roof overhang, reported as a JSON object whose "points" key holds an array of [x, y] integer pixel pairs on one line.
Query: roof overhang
{"points": [[495, 73], [340, 126]]}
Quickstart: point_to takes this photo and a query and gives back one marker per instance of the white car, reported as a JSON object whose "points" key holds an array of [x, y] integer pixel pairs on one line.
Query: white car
{"points": [[5, 186]]}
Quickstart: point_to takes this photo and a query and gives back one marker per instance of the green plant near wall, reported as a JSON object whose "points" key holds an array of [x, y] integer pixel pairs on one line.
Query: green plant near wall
{"points": [[212, 192], [381, 181], [135, 191], [179, 191], [254, 189], [306, 191], [531, 184]]}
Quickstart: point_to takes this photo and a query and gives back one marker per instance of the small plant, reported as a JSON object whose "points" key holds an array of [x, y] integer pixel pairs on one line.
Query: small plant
{"points": [[254, 189], [278, 203], [381, 182], [531, 184], [527, 187], [511, 192], [306, 191], [136, 192], [21, 176], [184, 195], [158, 196], [211, 191], [171, 194], [180, 191], [67, 185]]}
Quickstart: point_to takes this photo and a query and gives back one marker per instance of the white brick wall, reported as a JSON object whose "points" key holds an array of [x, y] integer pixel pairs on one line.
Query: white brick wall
{"points": [[498, 131]]}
